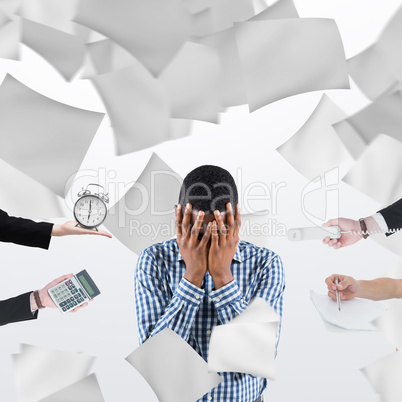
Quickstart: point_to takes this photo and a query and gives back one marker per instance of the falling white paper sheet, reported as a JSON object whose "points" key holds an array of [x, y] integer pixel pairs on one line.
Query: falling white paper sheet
{"points": [[253, 334], [232, 83], [380, 117], [107, 56], [288, 57], [137, 106], [258, 311], [202, 23], [220, 16], [39, 372], [64, 51], [4, 19], [384, 376], [226, 12], [378, 68], [10, 7], [179, 128], [145, 215], [44, 139], [390, 323], [9, 40], [151, 30], [195, 6], [378, 171], [57, 15], [371, 73], [355, 314], [173, 379], [41, 203], [352, 140], [192, 81], [279, 10], [86, 390], [315, 148]]}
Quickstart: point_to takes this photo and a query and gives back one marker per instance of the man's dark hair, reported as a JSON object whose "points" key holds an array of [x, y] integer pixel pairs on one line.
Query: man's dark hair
{"points": [[208, 188]]}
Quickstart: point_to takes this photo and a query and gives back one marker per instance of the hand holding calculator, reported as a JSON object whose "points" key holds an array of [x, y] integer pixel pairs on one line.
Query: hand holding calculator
{"points": [[73, 292]]}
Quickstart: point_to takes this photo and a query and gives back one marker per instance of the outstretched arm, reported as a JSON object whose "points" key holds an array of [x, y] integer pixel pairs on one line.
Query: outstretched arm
{"points": [[376, 289]]}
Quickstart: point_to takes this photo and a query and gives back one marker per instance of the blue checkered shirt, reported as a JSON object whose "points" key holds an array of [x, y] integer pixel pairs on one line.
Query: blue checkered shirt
{"points": [[164, 299]]}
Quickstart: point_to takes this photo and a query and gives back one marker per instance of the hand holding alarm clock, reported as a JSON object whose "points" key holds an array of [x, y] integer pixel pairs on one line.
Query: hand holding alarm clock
{"points": [[90, 210]]}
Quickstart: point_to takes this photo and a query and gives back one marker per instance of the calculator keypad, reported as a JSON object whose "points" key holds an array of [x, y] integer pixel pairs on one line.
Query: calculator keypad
{"points": [[68, 295]]}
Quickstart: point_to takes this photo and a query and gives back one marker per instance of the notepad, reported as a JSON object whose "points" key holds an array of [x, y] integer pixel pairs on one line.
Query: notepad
{"points": [[355, 314]]}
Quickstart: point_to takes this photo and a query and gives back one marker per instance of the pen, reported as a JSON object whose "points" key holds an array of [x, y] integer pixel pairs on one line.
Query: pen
{"points": [[338, 299]]}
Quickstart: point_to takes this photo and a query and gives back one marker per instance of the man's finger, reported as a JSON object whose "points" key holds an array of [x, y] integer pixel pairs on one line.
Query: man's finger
{"points": [[330, 281], [77, 308], [220, 225], [332, 295], [332, 242], [237, 220], [230, 218], [104, 233], [345, 282], [207, 235], [186, 220], [58, 280], [177, 211], [214, 235], [197, 226], [331, 222]]}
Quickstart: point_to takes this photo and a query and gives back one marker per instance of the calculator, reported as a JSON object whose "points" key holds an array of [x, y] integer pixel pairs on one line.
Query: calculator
{"points": [[74, 291]]}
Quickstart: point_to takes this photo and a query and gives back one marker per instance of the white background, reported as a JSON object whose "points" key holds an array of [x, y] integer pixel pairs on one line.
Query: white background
{"points": [[313, 363]]}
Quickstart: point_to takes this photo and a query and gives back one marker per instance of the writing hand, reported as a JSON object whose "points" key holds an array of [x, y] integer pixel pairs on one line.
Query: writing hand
{"points": [[348, 287]]}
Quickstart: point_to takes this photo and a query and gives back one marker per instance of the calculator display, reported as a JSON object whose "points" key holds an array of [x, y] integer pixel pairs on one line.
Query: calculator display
{"points": [[86, 285]]}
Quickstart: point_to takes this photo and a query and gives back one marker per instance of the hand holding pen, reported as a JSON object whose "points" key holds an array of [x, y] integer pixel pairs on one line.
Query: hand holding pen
{"points": [[338, 299], [347, 287]]}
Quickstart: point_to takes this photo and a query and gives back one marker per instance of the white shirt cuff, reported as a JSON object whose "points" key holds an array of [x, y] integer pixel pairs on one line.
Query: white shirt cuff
{"points": [[381, 222]]}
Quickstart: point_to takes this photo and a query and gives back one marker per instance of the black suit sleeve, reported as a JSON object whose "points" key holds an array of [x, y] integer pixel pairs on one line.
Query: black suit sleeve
{"points": [[393, 215], [16, 309], [24, 231]]}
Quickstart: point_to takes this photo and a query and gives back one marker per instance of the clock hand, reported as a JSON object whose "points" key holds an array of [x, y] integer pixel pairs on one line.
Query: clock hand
{"points": [[90, 209]]}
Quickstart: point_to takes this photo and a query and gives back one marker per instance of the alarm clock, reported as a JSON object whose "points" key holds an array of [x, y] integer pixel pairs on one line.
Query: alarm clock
{"points": [[90, 209]]}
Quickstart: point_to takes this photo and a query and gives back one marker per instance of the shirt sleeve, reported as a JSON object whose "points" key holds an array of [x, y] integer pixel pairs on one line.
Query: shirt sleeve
{"points": [[230, 302], [156, 309], [380, 222]]}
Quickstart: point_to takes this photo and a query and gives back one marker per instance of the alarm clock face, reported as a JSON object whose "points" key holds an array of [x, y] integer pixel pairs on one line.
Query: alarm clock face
{"points": [[90, 211]]}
